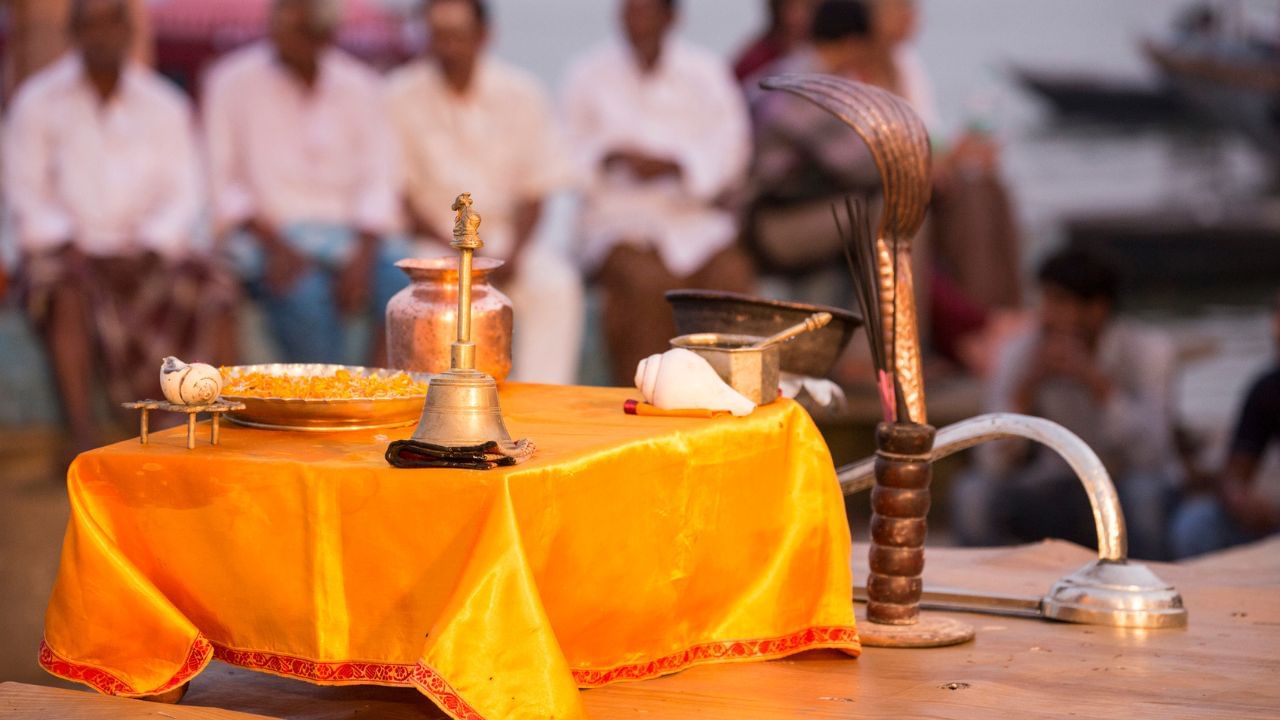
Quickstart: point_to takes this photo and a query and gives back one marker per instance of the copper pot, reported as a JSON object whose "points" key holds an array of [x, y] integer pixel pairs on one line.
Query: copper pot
{"points": [[421, 319]]}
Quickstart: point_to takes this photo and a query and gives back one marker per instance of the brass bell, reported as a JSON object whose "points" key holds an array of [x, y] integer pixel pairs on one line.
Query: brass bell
{"points": [[462, 408]]}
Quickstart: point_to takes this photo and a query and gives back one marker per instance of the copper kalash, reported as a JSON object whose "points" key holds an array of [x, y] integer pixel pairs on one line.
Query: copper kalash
{"points": [[461, 424]]}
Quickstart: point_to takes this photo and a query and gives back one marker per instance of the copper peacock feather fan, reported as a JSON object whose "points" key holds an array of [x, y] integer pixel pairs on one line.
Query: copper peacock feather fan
{"points": [[899, 145]]}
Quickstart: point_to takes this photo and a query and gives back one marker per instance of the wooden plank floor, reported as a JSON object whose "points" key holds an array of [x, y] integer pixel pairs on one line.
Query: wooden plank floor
{"points": [[30, 701], [1224, 665]]}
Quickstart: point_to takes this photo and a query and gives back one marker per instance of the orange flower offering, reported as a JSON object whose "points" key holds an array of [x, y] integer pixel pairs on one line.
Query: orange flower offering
{"points": [[341, 385]]}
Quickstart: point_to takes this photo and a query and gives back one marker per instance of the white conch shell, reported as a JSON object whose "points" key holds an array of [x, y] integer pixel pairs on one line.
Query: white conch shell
{"points": [[194, 384], [681, 379]]}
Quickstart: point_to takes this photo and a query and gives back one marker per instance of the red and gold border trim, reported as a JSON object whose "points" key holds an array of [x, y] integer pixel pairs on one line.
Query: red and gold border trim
{"points": [[434, 686], [419, 675], [104, 682], [845, 638], [430, 682], [347, 672]]}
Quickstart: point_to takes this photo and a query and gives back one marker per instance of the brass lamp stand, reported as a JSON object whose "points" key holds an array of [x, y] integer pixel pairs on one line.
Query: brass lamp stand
{"points": [[899, 145], [462, 407]]}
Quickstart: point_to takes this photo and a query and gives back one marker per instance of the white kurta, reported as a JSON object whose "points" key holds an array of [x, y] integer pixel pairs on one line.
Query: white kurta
{"points": [[288, 153], [498, 142], [688, 109], [113, 178]]}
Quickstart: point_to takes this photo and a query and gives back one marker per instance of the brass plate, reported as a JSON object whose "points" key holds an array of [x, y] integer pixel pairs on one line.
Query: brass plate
{"points": [[317, 414]]}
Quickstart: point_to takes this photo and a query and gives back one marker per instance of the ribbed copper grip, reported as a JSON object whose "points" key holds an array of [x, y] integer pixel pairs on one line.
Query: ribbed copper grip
{"points": [[899, 507]]}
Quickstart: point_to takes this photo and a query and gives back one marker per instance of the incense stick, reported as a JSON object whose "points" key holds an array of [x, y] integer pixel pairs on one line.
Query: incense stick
{"points": [[860, 257]]}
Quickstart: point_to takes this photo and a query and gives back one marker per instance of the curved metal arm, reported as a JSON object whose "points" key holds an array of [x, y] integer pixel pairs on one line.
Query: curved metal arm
{"points": [[1107, 516]]}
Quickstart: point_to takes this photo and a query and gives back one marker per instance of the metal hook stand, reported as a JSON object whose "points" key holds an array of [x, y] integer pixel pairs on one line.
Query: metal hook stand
{"points": [[1111, 590]]}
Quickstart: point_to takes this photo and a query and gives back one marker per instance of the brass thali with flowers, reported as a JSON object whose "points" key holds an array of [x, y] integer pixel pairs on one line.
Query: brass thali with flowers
{"points": [[320, 397]]}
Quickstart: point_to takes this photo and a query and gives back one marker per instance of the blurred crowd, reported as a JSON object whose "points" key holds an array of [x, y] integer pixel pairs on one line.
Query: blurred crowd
{"points": [[144, 224]]}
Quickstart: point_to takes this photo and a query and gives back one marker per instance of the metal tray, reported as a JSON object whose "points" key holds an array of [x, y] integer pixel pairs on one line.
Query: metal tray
{"points": [[317, 414]]}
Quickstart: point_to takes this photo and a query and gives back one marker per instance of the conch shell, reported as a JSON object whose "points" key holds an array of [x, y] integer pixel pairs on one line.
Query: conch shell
{"points": [[194, 384], [681, 379]]}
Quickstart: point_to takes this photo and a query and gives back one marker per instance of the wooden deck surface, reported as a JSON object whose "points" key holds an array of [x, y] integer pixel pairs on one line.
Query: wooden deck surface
{"points": [[1226, 664]]}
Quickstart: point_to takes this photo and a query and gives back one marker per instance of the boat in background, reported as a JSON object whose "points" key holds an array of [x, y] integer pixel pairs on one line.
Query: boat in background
{"points": [[1236, 84], [1170, 257], [1104, 98]]}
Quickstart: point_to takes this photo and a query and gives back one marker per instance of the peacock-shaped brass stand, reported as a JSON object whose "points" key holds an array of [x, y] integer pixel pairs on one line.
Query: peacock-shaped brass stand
{"points": [[899, 145]]}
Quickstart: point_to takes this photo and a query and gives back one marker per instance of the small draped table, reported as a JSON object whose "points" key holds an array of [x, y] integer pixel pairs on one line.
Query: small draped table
{"points": [[626, 548]]}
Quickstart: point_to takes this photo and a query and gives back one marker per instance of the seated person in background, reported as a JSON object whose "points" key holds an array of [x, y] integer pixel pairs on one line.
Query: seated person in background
{"points": [[303, 174], [806, 159], [1106, 380], [101, 173], [469, 122], [789, 22], [660, 134], [1237, 513]]}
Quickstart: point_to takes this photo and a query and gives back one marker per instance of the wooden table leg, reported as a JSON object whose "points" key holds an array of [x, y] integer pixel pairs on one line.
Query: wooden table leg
{"points": [[213, 428], [191, 431], [144, 426]]}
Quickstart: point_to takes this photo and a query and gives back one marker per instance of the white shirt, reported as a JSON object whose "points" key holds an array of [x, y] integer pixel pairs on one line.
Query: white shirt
{"points": [[688, 109], [497, 142], [289, 153], [114, 177]]}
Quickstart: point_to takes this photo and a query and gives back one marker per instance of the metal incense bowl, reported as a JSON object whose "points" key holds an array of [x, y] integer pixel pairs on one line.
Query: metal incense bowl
{"points": [[751, 371], [812, 354]]}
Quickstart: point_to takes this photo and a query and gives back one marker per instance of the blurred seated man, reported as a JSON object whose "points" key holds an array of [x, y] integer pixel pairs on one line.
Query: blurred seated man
{"points": [[660, 134], [303, 174], [1237, 512], [806, 159], [102, 177], [1106, 380], [789, 23], [471, 122]]}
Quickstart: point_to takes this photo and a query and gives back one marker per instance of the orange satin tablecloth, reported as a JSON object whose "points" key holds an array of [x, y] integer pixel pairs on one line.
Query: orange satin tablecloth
{"points": [[627, 548]]}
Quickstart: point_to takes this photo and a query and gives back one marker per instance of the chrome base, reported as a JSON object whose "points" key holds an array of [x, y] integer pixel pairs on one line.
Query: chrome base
{"points": [[462, 410], [1119, 594]]}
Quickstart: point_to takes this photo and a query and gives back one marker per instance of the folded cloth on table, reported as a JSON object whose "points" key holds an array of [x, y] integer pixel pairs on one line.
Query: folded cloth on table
{"points": [[490, 455], [813, 392], [639, 407]]}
